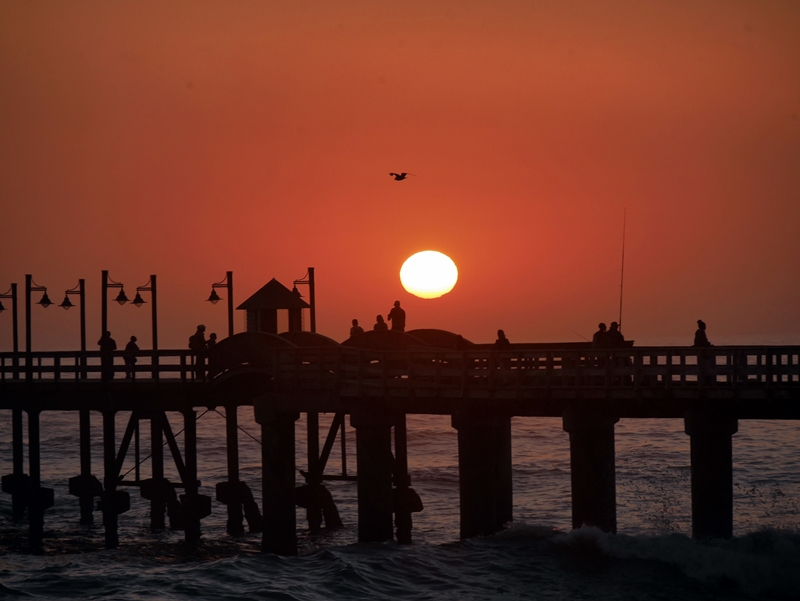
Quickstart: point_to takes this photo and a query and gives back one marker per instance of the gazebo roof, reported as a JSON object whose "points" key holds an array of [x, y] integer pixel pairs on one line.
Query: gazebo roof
{"points": [[274, 295]]}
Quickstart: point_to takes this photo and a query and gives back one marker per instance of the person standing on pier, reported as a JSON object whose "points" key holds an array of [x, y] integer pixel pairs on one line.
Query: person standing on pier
{"points": [[600, 338], [130, 356], [380, 325], [197, 344], [107, 347], [212, 340], [398, 317], [356, 329], [502, 343], [615, 339], [700, 337]]}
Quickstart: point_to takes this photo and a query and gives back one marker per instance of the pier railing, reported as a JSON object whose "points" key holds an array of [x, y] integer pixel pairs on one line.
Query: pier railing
{"points": [[76, 365], [422, 372], [517, 374]]}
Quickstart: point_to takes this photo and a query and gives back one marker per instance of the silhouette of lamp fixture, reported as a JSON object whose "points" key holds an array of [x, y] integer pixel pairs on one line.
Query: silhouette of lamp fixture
{"points": [[214, 298], [138, 301], [31, 286], [121, 299], [68, 304]]}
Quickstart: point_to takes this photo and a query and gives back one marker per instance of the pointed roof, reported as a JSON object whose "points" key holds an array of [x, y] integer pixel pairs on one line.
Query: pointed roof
{"points": [[274, 295]]}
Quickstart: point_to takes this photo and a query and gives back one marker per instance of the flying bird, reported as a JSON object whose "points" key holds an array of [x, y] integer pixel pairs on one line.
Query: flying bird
{"points": [[399, 177]]}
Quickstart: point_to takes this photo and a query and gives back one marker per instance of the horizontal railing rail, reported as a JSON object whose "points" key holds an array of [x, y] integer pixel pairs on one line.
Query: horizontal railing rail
{"points": [[354, 372]]}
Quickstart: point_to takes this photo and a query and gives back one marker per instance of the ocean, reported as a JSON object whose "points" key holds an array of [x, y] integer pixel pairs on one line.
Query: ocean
{"points": [[538, 556]]}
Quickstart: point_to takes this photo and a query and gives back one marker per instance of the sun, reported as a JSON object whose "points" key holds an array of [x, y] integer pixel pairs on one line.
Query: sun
{"points": [[429, 274]]}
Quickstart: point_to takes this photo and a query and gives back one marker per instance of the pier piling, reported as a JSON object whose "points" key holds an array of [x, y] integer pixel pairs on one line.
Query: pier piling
{"points": [[591, 444], [484, 471], [374, 455], [278, 481], [712, 472]]}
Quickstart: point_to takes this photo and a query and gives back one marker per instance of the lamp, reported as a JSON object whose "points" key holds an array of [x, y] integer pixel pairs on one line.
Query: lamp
{"points": [[214, 298], [121, 298], [67, 304], [138, 301], [309, 280]]}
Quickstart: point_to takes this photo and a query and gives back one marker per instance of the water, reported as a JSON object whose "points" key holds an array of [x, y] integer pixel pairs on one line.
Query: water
{"points": [[538, 557]]}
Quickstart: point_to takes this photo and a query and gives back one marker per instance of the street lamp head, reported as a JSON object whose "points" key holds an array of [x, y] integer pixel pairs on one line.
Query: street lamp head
{"points": [[67, 304], [121, 298], [45, 302], [214, 298], [2, 308], [138, 300]]}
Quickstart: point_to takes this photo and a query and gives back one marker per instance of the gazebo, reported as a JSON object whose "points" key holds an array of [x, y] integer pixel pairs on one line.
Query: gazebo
{"points": [[262, 308]]}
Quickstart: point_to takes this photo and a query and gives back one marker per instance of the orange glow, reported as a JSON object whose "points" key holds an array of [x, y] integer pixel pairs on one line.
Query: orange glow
{"points": [[186, 139]]}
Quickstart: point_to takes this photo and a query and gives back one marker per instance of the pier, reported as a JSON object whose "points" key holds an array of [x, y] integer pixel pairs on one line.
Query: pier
{"points": [[374, 381]]}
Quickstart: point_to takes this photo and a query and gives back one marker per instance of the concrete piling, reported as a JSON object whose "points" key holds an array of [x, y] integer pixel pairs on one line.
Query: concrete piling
{"points": [[278, 481], [712, 472], [374, 455], [591, 444]]}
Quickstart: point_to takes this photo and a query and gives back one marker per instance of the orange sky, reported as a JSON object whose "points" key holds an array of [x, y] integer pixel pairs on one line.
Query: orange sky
{"points": [[190, 138]]}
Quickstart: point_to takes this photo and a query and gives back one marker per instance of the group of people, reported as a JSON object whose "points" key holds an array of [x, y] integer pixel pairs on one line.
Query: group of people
{"points": [[397, 316], [609, 337], [199, 347], [107, 347], [197, 344]]}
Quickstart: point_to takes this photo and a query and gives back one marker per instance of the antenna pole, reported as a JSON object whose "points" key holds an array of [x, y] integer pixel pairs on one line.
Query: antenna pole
{"points": [[622, 274]]}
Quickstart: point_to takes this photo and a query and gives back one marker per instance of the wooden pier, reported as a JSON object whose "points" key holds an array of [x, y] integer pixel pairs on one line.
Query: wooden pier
{"points": [[375, 382]]}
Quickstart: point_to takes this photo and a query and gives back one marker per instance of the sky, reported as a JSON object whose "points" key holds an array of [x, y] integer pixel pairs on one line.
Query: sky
{"points": [[186, 139]]}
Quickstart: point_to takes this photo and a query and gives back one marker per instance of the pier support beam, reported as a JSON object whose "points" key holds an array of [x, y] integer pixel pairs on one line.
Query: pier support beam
{"points": [[712, 472], [278, 481], [36, 506], [235, 525], [19, 481], [195, 506], [86, 500], [374, 456], [110, 480], [594, 493], [158, 501], [484, 472]]}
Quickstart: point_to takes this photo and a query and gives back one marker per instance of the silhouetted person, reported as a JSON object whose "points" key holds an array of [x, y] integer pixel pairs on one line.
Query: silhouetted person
{"points": [[398, 317], [212, 340], [399, 177], [107, 347], [197, 344], [600, 338], [614, 337], [502, 343], [356, 329], [700, 337], [380, 324], [130, 356]]}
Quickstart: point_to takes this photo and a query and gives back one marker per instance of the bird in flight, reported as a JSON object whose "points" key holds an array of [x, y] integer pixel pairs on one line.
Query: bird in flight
{"points": [[399, 177]]}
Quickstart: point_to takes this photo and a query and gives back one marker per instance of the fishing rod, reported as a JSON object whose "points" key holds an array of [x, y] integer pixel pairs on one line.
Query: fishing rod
{"points": [[622, 274]]}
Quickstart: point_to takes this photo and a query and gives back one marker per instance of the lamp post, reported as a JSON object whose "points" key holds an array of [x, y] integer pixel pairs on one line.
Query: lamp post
{"points": [[138, 301], [12, 294], [121, 299], [80, 290], [214, 298], [31, 286], [309, 280]]}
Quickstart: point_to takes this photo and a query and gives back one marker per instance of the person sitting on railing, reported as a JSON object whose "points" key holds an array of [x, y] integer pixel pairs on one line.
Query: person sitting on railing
{"points": [[130, 356], [502, 343], [107, 347], [380, 324]]}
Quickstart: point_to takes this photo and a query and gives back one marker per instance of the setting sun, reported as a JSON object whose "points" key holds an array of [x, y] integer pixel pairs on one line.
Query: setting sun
{"points": [[428, 274]]}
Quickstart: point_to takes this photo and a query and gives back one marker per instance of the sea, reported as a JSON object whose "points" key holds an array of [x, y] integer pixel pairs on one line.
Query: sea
{"points": [[538, 556]]}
